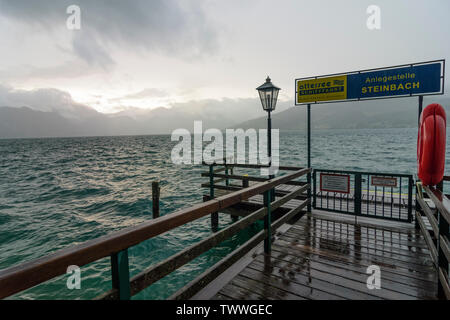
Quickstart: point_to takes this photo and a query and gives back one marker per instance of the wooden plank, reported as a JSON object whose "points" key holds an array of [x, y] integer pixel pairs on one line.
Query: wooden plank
{"points": [[240, 293], [278, 203], [441, 202], [444, 247], [299, 285], [380, 236], [427, 237], [359, 261], [352, 255], [444, 282], [266, 290], [221, 296], [362, 238], [427, 210], [385, 250], [373, 229], [355, 254], [390, 289], [283, 253]]}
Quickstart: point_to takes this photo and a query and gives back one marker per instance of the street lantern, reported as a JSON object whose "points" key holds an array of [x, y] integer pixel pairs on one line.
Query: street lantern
{"points": [[268, 93]]}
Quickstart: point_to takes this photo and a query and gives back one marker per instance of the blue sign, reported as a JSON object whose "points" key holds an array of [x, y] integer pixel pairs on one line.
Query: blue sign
{"points": [[394, 82], [406, 80]]}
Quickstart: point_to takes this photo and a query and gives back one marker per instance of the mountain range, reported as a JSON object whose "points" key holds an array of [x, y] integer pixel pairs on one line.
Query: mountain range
{"points": [[25, 122]]}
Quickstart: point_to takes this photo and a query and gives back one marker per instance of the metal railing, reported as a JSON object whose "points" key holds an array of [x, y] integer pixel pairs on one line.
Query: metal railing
{"points": [[21, 277], [433, 218], [365, 197]]}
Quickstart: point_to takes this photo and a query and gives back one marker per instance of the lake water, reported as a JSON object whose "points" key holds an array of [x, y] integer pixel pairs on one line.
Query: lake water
{"points": [[58, 192]]}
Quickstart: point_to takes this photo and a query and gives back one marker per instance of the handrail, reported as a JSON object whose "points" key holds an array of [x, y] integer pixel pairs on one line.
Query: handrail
{"points": [[32, 273], [156, 272], [439, 248], [252, 166], [441, 201]]}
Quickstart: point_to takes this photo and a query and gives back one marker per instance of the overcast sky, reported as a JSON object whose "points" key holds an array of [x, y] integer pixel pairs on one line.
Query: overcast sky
{"points": [[152, 53]]}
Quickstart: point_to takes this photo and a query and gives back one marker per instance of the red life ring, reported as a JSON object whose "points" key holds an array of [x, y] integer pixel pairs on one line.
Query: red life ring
{"points": [[431, 145]]}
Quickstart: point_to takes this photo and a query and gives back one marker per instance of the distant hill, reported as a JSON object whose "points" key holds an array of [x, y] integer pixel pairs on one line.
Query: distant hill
{"points": [[385, 113], [26, 122]]}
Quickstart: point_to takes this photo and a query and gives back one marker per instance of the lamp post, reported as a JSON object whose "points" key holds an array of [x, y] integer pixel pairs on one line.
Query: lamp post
{"points": [[268, 93]]}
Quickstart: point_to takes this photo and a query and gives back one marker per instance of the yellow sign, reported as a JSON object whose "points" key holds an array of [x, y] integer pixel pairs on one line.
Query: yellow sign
{"points": [[323, 89]]}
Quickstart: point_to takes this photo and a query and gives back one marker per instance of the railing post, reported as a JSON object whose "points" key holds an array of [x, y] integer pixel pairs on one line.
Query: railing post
{"points": [[155, 198], [410, 187], [120, 274], [214, 215], [417, 207], [314, 189], [268, 222], [442, 260], [357, 195], [309, 191]]}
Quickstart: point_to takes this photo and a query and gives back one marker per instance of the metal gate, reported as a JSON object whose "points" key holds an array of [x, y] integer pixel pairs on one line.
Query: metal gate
{"points": [[368, 194]]}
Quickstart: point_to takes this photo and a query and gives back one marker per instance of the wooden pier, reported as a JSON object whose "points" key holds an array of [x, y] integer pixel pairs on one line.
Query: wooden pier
{"points": [[301, 252], [323, 256]]}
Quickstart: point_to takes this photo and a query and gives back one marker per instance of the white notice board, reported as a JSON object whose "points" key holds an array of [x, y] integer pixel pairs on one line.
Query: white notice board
{"points": [[335, 182]]}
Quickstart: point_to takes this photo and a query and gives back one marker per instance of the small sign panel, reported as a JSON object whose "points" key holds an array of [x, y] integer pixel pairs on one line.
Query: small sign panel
{"points": [[335, 182], [384, 181], [324, 89]]}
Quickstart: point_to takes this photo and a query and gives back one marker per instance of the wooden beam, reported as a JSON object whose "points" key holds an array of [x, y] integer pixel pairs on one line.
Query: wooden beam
{"points": [[427, 238], [440, 200], [427, 210], [443, 278], [443, 243]]}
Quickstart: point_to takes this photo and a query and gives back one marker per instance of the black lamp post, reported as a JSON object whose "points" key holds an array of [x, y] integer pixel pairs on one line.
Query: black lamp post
{"points": [[268, 93]]}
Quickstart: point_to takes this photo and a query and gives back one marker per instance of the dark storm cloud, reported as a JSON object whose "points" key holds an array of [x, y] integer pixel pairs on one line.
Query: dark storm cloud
{"points": [[178, 28]]}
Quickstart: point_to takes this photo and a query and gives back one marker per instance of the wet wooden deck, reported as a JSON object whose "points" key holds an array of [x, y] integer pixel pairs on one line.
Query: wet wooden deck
{"points": [[325, 256]]}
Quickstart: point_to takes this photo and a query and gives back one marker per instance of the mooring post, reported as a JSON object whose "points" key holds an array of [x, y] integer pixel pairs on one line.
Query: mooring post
{"points": [[268, 222], [227, 181], [245, 182], [120, 274], [214, 215], [155, 198]]}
